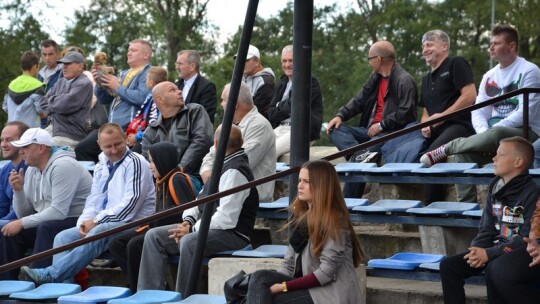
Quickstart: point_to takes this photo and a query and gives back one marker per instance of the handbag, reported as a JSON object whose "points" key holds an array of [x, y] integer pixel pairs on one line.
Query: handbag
{"points": [[236, 288]]}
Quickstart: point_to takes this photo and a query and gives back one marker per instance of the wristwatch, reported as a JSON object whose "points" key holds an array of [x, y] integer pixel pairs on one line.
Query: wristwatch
{"points": [[284, 284], [95, 221]]}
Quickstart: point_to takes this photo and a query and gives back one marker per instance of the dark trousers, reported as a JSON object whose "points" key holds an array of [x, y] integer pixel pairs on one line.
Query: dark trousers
{"points": [[259, 289], [40, 239], [126, 250], [454, 271], [88, 148], [440, 136], [509, 279]]}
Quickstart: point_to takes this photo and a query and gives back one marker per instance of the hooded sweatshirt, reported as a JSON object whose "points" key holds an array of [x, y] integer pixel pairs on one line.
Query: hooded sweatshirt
{"points": [[507, 215], [57, 193], [261, 86], [22, 98]]}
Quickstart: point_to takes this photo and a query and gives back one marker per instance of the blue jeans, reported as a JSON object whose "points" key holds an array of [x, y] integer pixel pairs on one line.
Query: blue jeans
{"points": [[39, 238], [3, 223], [346, 136], [68, 263]]}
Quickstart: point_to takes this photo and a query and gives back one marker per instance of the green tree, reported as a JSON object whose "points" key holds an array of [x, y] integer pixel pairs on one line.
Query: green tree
{"points": [[170, 25]]}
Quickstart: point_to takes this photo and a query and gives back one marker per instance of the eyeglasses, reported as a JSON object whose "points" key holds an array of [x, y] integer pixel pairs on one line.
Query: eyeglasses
{"points": [[372, 57]]}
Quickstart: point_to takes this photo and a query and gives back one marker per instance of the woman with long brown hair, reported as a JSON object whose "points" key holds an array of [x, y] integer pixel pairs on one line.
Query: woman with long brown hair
{"points": [[320, 263]]}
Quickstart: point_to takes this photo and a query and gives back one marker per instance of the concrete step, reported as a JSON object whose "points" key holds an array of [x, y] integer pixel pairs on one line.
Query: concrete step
{"points": [[384, 291]]}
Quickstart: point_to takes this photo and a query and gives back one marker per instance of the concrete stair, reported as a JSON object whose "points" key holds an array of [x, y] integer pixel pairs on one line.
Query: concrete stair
{"points": [[384, 291]]}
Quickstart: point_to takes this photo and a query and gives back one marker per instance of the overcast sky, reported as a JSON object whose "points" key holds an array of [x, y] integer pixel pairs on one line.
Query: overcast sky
{"points": [[227, 14]]}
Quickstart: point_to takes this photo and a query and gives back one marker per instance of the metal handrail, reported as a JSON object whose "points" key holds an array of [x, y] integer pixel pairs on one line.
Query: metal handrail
{"points": [[216, 196]]}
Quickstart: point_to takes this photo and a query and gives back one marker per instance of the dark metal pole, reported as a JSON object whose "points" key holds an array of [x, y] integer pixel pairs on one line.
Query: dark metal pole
{"points": [[526, 116], [301, 87], [222, 145]]}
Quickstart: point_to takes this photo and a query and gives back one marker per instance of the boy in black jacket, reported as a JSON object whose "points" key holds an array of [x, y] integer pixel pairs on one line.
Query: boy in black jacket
{"points": [[511, 200]]}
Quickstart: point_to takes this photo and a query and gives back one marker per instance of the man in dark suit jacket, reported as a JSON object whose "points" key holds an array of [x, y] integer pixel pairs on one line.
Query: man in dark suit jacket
{"points": [[195, 88]]}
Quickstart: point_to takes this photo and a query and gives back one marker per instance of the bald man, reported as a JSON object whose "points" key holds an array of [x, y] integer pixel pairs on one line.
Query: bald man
{"points": [[187, 126], [231, 225], [259, 141], [387, 103]]}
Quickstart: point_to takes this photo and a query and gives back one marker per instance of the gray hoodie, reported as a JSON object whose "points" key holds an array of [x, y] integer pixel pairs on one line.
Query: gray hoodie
{"points": [[56, 193], [262, 87]]}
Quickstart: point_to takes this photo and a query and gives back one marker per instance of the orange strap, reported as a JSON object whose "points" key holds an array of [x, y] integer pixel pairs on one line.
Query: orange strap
{"points": [[172, 191]]}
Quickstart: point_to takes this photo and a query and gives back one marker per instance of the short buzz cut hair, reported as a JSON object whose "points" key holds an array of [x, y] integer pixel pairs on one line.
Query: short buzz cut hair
{"points": [[192, 57], [436, 34], [48, 43], [28, 60], [522, 147], [509, 32], [110, 128], [157, 74], [244, 95], [146, 43]]}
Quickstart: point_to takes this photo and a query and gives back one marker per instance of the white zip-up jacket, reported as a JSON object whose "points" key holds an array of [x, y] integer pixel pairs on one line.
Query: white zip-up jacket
{"points": [[130, 194]]}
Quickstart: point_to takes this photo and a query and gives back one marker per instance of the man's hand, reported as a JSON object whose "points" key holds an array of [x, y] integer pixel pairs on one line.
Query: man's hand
{"points": [[110, 81], [16, 180], [130, 140], [436, 115], [178, 232], [477, 257], [205, 176], [426, 132], [374, 130], [533, 248], [334, 123], [86, 226], [12, 228]]}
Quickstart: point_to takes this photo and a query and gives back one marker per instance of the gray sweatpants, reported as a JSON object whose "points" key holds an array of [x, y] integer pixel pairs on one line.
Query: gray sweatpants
{"points": [[158, 246]]}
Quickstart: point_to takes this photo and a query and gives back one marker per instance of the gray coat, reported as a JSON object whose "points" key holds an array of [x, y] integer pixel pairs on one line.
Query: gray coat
{"points": [[68, 105], [334, 269]]}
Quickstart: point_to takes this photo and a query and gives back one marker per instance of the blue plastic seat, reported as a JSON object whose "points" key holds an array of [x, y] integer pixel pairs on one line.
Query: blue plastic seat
{"points": [[283, 203], [281, 167], [389, 205], [280, 203], [355, 202], [405, 260], [173, 259], [534, 172], [149, 297], [485, 170], [445, 168], [445, 208], [473, 213], [47, 291], [204, 299], [264, 251], [96, 294], [395, 168], [8, 287], [430, 266], [353, 167]]}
